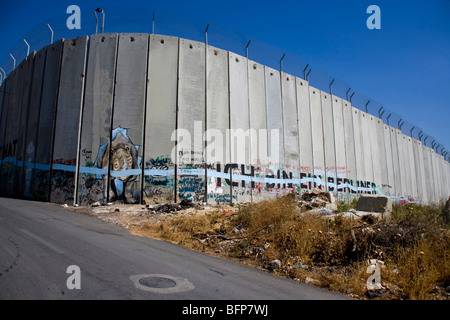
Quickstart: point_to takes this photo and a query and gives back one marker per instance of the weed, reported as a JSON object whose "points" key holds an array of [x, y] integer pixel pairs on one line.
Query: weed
{"points": [[345, 205], [330, 253]]}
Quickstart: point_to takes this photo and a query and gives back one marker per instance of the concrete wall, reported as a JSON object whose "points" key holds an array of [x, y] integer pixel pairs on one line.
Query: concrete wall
{"points": [[305, 135], [137, 117], [340, 143], [67, 122], [350, 150], [96, 118], [47, 119], [217, 123], [33, 123], [161, 116], [258, 124]]}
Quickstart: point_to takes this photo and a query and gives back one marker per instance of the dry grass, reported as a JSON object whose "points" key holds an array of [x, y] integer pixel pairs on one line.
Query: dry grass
{"points": [[415, 246]]}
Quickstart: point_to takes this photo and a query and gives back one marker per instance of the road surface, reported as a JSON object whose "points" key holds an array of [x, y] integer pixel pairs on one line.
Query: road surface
{"points": [[39, 241]]}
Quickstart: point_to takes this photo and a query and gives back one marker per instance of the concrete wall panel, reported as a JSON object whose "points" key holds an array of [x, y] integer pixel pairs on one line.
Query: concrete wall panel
{"points": [[11, 133], [129, 116], [367, 150], [317, 137], [380, 165], [439, 179], [396, 162], [433, 171], [16, 128], [447, 180], [390, 174], [218, 122], [305, 134], [422, 170], [401, 164], [274, 128], [404, 164], [428, 172], [96, 123], [407, 164], [412, 169], [349, 147], [417, 172], [70, 99], [23, 123], [258, 124], [359, 149], [329, 148], [191, 183], [339, 138], [33, 122], [161, 119], [425, 191], [40, 186], [435, 175], [444, 193], [240, 125], [4, 96], [290, 132]]}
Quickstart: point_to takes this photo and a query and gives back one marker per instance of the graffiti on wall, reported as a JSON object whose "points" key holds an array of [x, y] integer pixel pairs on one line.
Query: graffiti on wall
{"points": [[124, 164], [214, 165], [63, 181], [159, 179]]}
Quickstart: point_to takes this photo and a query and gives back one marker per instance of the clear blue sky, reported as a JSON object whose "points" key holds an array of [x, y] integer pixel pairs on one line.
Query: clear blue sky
{"points": [[405, 66]]}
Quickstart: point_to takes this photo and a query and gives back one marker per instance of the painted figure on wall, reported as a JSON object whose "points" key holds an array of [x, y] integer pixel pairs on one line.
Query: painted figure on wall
{"points": [[124, 165]]}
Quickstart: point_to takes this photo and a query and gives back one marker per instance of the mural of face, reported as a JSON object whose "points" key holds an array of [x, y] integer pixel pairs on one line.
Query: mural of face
{"points": [[124, 157]]}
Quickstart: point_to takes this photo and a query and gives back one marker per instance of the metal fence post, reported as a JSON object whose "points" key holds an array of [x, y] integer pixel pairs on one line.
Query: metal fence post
{"points": [[28, 46], [4, 73], [307, 75], [51, 30], [246, 48], [346, 94], [304, 71], [153, 23], [14, 59], [281, 62], [380, 114]]}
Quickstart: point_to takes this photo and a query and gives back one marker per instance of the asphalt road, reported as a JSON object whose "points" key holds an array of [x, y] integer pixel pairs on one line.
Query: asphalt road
{"points": [[39, 241]]}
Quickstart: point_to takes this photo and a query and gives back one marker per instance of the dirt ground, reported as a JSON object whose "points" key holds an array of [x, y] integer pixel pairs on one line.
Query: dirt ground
{"points": [[132, 217], [329, 253]]}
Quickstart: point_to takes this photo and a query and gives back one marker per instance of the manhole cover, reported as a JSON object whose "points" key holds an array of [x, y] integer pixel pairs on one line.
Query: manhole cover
{"points": [[160, 283], [157, 282]]}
